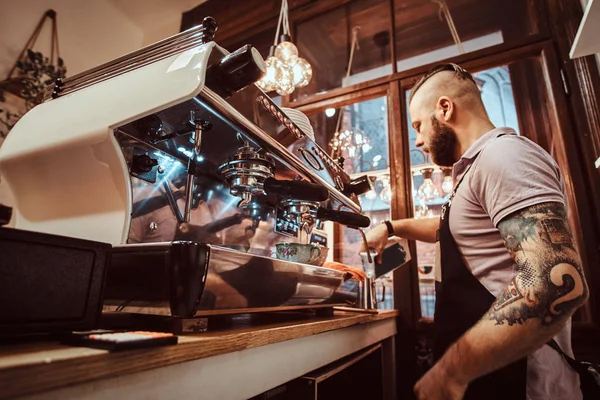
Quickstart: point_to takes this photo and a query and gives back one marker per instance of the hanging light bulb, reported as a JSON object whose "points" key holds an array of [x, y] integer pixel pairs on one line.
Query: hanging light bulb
{"points": [[428, 191], [421, 210], [285, 70], [272, 75], [301, 71], [386, 193], [371, 195], [285, 83], [447, 184], [286, 50]]}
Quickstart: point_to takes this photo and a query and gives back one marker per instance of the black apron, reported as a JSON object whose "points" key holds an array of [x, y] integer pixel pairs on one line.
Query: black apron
{"points": [[461, 301]]}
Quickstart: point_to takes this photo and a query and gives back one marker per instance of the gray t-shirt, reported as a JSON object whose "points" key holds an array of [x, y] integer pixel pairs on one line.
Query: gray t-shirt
{"points": [[509, 173]]}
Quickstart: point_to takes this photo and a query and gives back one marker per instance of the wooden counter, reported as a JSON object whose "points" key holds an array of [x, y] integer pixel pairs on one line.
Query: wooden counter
{"points": [[47, 366]]}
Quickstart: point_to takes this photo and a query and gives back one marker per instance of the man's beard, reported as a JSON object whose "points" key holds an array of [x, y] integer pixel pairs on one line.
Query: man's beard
{"points": [[442, 144]]}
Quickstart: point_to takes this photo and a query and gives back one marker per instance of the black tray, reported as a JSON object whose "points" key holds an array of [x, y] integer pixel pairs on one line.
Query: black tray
{"points": [[49, 283]]}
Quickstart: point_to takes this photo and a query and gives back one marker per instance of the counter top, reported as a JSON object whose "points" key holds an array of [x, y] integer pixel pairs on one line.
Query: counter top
{"points": [[35, 367]]}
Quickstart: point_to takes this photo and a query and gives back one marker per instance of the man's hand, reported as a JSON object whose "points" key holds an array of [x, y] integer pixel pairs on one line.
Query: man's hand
{"points": [[423, 229], [377, 238], [437, 384]]}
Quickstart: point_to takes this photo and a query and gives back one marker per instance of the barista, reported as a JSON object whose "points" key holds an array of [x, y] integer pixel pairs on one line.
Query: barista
{"points": [[509, 275]]}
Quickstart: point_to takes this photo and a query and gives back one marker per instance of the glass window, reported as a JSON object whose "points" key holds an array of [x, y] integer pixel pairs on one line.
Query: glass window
{"points": [[426, 31], [432, 185], [357, 132], [431, 31], [365, 149], [326, 40], [262, 41]]}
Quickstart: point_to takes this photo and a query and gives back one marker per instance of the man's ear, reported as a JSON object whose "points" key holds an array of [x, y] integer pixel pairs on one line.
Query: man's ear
{"points": [[445, 108]]}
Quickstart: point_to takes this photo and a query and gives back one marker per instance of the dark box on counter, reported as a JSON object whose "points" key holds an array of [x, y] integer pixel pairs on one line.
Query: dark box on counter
{"points": [[50, 283]]}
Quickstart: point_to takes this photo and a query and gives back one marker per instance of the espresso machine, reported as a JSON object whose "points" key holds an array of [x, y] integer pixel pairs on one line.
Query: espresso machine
{"points": [[177, 159]]}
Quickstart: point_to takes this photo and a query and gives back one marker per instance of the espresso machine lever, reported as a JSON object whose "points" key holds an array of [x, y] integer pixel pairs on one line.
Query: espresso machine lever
{"points": [[298, 190], [351, 219]]}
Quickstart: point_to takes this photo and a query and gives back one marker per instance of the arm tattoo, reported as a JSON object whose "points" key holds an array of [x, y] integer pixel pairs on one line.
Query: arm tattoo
{"points": [[549, 284]]}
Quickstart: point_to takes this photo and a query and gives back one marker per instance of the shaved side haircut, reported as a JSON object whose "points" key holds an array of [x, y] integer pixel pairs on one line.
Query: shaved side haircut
{"points": [[449, 80]]}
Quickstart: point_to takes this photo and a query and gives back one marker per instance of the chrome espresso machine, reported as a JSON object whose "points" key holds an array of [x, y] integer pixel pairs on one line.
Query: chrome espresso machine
{"points": [[174, 156]]}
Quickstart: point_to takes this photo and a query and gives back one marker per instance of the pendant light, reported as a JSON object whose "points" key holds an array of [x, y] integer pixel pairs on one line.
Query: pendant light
{"points": [[285, 70], [428, 191], [350, 140], [447, 184], [444, 13]]}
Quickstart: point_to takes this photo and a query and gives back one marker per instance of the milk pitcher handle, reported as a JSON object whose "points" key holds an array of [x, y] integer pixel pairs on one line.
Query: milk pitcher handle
{"points": [[382, 294]]}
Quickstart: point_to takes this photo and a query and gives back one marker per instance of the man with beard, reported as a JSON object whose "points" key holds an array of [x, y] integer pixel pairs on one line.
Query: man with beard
{"points": [[508, 274]]}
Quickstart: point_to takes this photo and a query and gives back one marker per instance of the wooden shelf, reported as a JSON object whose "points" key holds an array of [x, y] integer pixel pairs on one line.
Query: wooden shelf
{"points": [[34, 367], [586, 41]]}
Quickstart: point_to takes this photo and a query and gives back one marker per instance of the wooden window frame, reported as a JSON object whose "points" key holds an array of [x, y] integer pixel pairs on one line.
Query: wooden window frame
{"points": [[405, 279]]}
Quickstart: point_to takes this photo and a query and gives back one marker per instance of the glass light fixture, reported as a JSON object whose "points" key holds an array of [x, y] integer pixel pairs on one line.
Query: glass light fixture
{"points": [[272, 76], [386, 193], [371, 195], [285, 70], [285, 84], [447, 184], [286, 50], [350, 141], [421, 210], [428, 191], [301, 71]]}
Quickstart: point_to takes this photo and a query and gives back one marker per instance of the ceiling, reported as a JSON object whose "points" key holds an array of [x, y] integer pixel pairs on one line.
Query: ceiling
{"points": [[149, 13]]}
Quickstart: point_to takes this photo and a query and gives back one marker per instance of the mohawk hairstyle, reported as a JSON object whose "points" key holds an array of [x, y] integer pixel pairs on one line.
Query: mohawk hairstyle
{"points": [[459, 71]]}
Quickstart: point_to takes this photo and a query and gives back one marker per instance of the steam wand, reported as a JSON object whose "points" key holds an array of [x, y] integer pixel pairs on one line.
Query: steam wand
{"points": [[200, 127], [364, 239], [351, 220]]}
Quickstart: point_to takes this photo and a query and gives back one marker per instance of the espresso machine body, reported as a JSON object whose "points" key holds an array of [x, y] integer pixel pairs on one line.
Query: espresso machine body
{"points": [[176, 158]]}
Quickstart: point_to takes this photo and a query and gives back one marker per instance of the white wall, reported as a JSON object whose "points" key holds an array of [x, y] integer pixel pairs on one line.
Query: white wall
{"points": [[157, 18], [169, 26], [90, 32]]}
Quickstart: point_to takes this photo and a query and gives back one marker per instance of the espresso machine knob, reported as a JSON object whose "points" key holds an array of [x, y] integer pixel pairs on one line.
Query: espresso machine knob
{"points": [[5, 214], [143, 163], [237, 70]]}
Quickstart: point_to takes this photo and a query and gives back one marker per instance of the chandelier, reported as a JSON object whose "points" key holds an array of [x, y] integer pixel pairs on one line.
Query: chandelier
{"points": [[285, 70], [352, 141]]}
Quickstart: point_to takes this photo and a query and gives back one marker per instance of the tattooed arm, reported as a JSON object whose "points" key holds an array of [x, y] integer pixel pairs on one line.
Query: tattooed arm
{"points": [[549, 285], [547, 289]]}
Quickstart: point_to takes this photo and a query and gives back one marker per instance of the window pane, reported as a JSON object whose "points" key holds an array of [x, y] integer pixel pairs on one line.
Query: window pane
{"points": [[325, 42], [362, 134], [366, 152], [431, 186], [428, 31]]}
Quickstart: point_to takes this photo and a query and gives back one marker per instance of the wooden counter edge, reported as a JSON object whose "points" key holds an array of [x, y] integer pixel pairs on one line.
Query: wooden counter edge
{"points": [[46, 374]]}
